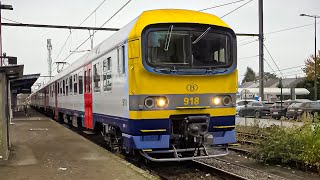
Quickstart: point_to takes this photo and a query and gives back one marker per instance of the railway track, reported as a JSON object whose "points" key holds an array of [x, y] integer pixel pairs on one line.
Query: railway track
{"points": [[170, 170]]}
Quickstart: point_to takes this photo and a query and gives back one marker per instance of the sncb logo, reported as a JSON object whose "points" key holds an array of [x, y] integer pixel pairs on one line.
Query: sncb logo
{"points": [[192, 87]]}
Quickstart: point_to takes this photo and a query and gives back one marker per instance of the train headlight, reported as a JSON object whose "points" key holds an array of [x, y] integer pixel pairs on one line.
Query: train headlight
{"points": [[226, 100], [216, 101], [149, 102], [162, 102]]}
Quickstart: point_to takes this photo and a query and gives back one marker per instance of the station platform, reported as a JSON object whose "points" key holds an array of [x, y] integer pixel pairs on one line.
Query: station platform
{"points": [[43, 149]]}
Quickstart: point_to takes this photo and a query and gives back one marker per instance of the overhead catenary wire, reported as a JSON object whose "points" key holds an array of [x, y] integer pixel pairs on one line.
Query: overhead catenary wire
{"points": [[272, 59], [11, 20], [221, 5], [236, 9], [96, 31], [64, 44], [290, 72], [294, 67], [248, 57], [289, 29], [249, 42], [269, 66]]}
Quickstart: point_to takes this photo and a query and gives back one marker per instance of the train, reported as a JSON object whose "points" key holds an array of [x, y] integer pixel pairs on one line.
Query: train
{"points": [[163, 87]]}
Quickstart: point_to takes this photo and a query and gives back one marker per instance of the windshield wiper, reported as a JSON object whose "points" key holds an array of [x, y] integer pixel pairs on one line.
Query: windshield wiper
{"points": [[166, 46], [201, 36], [213, 71], [165, 69]]}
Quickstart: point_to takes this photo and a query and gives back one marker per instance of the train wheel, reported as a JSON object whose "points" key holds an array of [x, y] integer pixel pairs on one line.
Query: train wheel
{"points": [[258, 114], [113, 137]]}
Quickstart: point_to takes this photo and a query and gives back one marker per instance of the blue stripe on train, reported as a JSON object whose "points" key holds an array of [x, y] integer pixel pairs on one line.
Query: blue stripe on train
{"points": [[134, 127], [134, 138]]}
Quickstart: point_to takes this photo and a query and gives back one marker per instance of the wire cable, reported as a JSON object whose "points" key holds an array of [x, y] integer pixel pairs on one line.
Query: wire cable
{"points": [[272, 59], [294, 67], [248, 57], [11, 20], [288, 29], [269, 66], [64, 44], [249, 42], [96, 31], [236, 9], [221, 5]]}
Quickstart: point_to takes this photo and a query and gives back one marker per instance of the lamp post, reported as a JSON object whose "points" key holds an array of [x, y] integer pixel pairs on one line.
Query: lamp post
{"points": [[7, 7], [315, 53]]}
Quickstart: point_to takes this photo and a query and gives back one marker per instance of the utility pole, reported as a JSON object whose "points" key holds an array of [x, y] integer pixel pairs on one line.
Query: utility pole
{"points": [[315, 60], [7, 7], [261, 69], [49, 47], [315, 54], [280, 85]]}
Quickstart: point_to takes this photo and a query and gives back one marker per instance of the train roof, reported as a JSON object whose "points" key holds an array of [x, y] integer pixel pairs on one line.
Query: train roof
{"points": [[134, 30]]}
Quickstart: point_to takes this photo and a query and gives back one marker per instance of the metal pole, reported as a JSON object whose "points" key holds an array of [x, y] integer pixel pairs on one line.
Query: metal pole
{"points": [[281, 94], [315, 59], [261, 93], [0, 38]]}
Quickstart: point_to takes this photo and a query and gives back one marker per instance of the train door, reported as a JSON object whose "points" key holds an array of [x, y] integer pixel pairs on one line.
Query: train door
{"points": [[88, 120], [56, 99]]}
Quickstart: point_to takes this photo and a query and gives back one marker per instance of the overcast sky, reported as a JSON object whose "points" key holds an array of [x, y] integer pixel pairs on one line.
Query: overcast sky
{"points": [[288, 48]]}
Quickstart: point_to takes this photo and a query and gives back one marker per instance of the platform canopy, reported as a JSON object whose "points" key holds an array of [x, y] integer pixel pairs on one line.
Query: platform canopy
{"points": [[275, 91], [23, 84]]}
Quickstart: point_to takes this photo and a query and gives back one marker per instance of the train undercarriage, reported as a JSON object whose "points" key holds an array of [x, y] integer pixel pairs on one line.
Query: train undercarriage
{"points": [[189, 140]]}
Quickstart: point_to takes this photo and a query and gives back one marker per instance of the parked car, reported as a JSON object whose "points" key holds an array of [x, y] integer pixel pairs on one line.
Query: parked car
{"points": [[298, 109], [256, 109], [277, 111], [310, 108], [242, 103]]}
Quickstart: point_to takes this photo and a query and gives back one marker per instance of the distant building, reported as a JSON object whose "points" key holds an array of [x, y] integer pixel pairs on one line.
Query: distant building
{"points": [[250, 90]]}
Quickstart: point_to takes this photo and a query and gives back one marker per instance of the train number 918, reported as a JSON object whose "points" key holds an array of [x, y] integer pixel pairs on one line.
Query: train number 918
{"points": [[191, 101]]}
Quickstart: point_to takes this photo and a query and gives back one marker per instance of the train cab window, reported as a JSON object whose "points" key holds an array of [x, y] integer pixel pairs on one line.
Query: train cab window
{"points": [[80, 83], [107, 75], [70, 86], [75, 84], [96, 77], [121, 60]]}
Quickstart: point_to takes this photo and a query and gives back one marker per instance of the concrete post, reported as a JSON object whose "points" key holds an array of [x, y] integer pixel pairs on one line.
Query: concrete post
{"points": [[4, 128]]}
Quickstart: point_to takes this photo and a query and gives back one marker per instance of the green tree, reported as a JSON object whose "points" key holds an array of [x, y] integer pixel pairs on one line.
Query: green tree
{"points": [[268, 76], [309, 66], [250, 75]]}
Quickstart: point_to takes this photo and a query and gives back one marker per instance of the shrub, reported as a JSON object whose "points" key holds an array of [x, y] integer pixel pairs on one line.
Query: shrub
{"points": [[287, 144]]}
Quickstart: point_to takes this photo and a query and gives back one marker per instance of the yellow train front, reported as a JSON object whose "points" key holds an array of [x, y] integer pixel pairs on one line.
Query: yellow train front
{"points": [[182, 84]]}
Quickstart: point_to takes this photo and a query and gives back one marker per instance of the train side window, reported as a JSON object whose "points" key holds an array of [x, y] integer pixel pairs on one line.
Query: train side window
{"points": [[75, 84], [61, 88], [80, 77], [96, 77], [85, 82], [70, 85], [67, 86], [89, 80], [107, 75], [52, 90], [64, 87], [58, 88], [121, 60]]}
